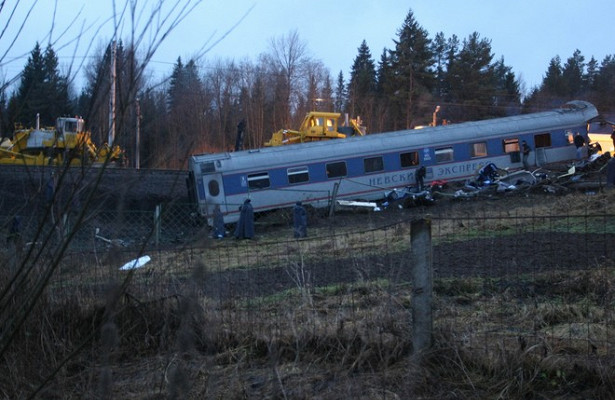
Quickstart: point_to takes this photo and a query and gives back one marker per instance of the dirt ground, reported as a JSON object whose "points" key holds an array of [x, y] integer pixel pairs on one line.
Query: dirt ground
{"points": [[522, 245]]}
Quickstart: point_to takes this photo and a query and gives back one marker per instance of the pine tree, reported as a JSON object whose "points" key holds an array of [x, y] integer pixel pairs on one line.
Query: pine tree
{"points": [[471, 80], [412, 62], [362, 85], [340, 93], [589, 79], [42, 91], [572, 75], [507, 100], [553, 81], [384, 90]]}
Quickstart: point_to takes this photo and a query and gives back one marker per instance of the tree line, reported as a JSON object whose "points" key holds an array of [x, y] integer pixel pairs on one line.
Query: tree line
{"points": [[421, 80]]}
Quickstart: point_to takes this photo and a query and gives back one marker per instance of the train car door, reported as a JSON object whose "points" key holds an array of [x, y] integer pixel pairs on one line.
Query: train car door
{"points": [[214, 192], [211, 188]]}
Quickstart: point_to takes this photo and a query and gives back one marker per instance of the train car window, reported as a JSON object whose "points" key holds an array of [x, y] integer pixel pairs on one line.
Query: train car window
{"points": [[510, 145], [409, 159], [478, 149], [214, 188], [207, 167], [444, 154], [298, 175], [373, 164], [542, 140], [259, 181], [336, 169]]}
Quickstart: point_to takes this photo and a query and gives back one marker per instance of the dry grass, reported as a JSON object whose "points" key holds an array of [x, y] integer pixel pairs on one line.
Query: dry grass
{"points": [[548, 335], [333, 342]]}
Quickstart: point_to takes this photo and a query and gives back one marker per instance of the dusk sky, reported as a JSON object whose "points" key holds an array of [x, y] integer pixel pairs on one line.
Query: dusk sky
{"points": [[528, 34]]}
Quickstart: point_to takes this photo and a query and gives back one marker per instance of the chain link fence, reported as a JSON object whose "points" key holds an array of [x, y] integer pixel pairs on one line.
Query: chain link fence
{"points": [[485, 270], [542, 286]]}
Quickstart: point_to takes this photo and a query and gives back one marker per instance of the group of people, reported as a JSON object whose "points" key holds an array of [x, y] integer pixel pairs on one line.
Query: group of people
{"points": [[244, 229]]}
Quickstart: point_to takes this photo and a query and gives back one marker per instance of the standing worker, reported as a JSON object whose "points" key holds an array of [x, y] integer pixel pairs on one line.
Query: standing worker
{"points": [[299, 220], [420, 178], [219, 231], [245, 226], [579, 142], [526, 149]]}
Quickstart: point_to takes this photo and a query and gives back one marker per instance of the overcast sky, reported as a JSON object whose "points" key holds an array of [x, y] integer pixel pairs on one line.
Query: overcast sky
{"points": [[528, 34]]}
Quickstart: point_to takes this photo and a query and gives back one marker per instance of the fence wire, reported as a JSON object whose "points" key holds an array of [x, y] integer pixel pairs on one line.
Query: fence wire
{"points": [[537, 282]]}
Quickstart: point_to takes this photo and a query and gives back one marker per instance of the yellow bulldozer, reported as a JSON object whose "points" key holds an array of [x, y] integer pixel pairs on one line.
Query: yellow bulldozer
{"points": [[68, 142], [317, 125]]}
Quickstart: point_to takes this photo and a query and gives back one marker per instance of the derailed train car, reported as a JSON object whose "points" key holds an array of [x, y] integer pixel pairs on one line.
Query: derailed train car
{"points": [[366, 167]]}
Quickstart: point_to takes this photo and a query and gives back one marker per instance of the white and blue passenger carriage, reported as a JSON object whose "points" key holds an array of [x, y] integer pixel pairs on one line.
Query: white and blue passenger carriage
{"points": [[366, 167]]}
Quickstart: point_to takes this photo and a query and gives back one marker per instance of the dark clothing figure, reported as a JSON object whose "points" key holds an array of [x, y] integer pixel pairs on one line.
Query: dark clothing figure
{"points": [[613, 138], [15, 244], [14, 230], [610, 173], [420, 178], [299, 220], [245, 226], [219, 231], [487, 174], [579, 142], [525, 150], [50, 189]]}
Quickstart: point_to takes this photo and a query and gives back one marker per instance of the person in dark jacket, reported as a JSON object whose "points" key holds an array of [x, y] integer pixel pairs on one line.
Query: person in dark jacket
{"points": [[525, 151], [579, 142], [299, 220], [245, 226], [420, 178], [219, 231]]}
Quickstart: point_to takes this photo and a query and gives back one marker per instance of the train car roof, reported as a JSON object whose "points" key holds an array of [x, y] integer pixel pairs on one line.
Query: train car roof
{"points": [[573, 113]]}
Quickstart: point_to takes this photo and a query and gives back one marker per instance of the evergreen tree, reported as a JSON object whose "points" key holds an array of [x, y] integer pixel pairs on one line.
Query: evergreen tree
{"points": [[362, 85], [340, 93], [42, 91], [589, 79], [605, 82], [176, 84], [439, 48], [471, 80], [385, 91], [507, 100], [572, 75], [411, 62], [553, 82], [186, 111], [326, 92]]}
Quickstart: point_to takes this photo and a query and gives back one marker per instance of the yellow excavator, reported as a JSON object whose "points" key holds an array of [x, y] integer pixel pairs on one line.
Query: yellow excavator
{"points": [[317, 125], [68, 142]]}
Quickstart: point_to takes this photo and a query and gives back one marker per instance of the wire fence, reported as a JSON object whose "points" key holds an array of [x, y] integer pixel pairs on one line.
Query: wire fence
{"points": [[511, 283], [538, 285]]}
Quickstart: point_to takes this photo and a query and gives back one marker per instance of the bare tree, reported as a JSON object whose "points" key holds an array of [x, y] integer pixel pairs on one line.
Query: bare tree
{"points": [[22, 291], [289, 56]]}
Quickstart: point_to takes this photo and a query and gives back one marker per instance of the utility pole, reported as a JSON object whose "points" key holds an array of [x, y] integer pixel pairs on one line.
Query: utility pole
{"points": [[138, 136], [112, 98]]}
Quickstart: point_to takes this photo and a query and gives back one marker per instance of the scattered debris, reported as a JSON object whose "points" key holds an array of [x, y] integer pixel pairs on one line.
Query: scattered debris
{"points": [[115, 242], [408, 197], [136, 263], [350, 203]]}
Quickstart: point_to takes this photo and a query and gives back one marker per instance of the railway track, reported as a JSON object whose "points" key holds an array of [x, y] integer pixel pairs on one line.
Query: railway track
{"points": [[26, 186]]}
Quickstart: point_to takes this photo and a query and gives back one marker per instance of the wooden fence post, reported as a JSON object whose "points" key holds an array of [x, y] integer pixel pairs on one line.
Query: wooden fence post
{"points": [[422, 285], [157, 213]]}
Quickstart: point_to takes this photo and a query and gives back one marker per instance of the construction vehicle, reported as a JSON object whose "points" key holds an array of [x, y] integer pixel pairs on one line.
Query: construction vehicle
{"points": [[317, 125], [67, 143]]}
